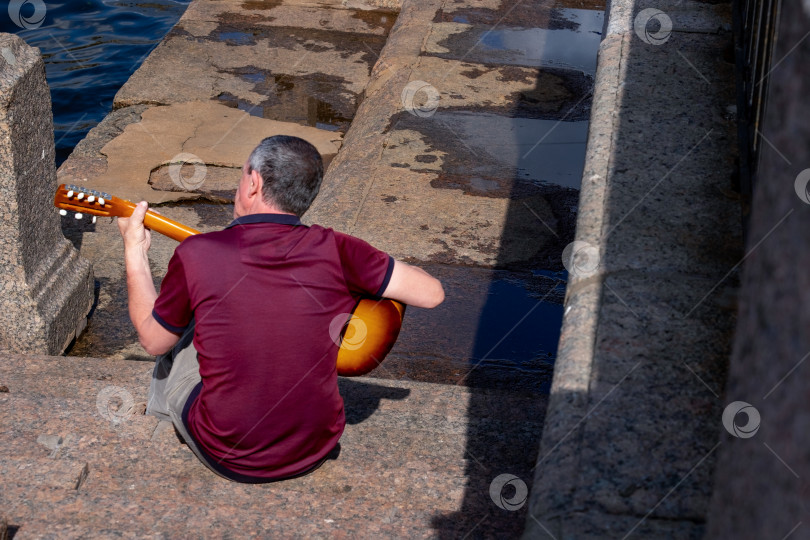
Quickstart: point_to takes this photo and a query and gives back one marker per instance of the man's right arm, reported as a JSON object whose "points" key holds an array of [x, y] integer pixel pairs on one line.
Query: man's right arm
{"points": [[140, 288], [413, 286]]}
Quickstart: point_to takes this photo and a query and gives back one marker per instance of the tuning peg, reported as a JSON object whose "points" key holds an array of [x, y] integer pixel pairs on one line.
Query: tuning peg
{"points": [[80, 196], [70, 194], [101, 201], [78, 215], [63, 212], [91, 198], [94, 219]]}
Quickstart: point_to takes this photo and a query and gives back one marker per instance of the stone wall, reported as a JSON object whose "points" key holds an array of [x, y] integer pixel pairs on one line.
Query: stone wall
{"points": [[764, 462], [47, 288]]}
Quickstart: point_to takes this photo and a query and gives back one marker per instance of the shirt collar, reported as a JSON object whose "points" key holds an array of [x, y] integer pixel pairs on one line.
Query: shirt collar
{"points": [[282, 219]]}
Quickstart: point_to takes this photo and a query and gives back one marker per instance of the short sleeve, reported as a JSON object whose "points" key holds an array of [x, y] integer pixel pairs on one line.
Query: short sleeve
{"points": [[172, 308], [366, 269]]}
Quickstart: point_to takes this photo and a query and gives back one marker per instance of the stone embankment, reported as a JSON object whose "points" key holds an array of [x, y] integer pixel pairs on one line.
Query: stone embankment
{"points": [[451, 146], [456, 139], [464, 156]]}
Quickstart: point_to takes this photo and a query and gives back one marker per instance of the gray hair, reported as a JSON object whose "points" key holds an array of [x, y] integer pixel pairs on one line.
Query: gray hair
{"points": [[291, 171]]}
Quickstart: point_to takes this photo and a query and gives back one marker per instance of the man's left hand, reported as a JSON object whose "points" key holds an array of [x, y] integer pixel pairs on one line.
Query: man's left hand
{"points": [[135, 235]]}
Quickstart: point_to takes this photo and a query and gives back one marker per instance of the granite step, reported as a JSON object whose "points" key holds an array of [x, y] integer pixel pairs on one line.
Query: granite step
{"points": [[416, 460], [120, 497], [150, 516], [52, 474], [374, 501], [40, 375]]}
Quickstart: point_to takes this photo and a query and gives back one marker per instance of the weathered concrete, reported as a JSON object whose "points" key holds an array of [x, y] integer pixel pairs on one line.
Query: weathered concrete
{"points": [[47, 287], [139, 160], [271, 58], [79, 460], [761, 481], [474, 181], [629, 442]]}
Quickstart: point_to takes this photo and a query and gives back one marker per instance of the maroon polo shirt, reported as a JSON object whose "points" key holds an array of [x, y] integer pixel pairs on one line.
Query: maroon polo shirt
{"points": [[262, 294]]}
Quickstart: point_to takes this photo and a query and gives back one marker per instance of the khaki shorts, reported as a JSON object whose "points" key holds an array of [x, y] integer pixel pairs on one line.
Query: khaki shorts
{"points": [[175, 376]]}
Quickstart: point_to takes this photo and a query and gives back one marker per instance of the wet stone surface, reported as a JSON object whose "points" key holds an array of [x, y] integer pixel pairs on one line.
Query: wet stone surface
{"points": [[235, 32], [302, 64], [514, 13], [520, 151], [567, 41], [246, 26], [492, 331], [506, 90], [310, 100]]}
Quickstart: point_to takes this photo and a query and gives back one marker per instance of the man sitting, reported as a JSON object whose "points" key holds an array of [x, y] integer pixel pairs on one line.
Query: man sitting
{"points": [[255, 393]]}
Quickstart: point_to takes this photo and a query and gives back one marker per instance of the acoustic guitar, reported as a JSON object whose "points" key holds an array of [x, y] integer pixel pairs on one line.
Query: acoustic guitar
{"points": [[365, 336]]}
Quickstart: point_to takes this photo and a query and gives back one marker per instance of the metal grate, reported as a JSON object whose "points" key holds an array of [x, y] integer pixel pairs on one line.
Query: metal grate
{"points": [[755, 31]]}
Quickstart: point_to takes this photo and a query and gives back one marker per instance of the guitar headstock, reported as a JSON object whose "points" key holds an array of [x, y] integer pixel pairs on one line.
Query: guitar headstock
{"points": [[70, 198]]}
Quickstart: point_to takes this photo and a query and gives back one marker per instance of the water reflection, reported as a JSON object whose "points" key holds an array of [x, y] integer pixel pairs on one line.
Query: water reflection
{"points": [[552, 47], [90, 49], [566, 38], [307, 100], [545, 151]]}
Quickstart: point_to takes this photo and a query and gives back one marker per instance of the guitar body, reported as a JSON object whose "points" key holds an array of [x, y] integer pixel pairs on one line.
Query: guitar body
{"points": [[365, 337], [369, 335]]}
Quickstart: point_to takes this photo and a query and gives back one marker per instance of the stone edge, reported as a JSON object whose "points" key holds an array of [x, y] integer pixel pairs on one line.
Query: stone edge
{"points": [[568, 408]]}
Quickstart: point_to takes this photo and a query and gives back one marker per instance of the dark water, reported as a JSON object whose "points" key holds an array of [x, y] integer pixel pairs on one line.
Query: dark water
{"points": [[90, 48]]}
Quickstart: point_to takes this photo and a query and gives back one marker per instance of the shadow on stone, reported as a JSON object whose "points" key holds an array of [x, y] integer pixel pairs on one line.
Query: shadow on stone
{"points": [[519, 325], [361, 399]]}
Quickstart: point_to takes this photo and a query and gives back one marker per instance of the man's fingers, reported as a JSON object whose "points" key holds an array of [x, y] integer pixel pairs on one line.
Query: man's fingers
{"points": [[140, 211], [133, 224]]}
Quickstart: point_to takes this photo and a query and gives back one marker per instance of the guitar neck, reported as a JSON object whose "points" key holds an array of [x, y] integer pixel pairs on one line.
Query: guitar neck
{"points": [[154, 221], [168, 227], [94, 203]]}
